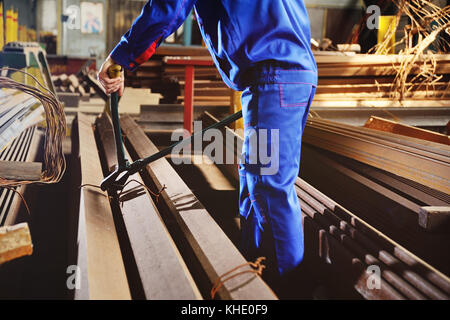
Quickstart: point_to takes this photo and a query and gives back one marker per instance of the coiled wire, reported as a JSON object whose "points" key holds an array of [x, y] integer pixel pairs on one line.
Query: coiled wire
{"points": [[54, 161]]}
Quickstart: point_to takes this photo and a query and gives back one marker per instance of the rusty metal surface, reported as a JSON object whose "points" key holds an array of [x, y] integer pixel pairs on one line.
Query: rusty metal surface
{"points": [[379, 206], [385, 125], [407, 281], [413, 161], [418, 117]]}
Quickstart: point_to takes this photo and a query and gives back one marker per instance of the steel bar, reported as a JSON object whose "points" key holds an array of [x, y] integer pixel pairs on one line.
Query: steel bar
{"points": [[414, 116], [16, 170], [385, 125], [23, 148], [100, 260]]}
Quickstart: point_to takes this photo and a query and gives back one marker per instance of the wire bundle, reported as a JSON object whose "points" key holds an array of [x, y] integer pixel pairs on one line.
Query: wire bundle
{"points": [[427, 22], [54, 161]]}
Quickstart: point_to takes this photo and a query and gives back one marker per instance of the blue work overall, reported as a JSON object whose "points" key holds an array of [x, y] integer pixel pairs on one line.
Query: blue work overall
{"points": [[263, 49], [277, 106]]}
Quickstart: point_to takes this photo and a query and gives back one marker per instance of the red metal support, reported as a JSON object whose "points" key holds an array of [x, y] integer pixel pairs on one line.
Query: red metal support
{"points": [[189, 98], [190, 63]]}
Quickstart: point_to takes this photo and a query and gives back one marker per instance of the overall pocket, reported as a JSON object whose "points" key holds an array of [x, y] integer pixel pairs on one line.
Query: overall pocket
{"points": [[295, 95]]}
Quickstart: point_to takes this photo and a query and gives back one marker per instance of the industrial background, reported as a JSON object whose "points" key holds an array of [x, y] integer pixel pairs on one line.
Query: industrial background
{"points": [[374, 182]]}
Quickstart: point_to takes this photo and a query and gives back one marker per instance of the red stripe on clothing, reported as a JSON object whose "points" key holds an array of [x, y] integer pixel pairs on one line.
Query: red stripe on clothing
{"points": [[147, 53]]}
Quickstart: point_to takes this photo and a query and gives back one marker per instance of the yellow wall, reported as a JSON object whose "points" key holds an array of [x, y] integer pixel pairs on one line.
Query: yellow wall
{"points": [[2, 27]]}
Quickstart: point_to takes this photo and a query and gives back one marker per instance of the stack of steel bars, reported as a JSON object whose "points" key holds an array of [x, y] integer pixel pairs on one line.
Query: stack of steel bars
{"points": [[152, 241], [19, 142], [345, 236], [24, 149], [343, 250], [421, 161], [17, 111], [389, 180]]}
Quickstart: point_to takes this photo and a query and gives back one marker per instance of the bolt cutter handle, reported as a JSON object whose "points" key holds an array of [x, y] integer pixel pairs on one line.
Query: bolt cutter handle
{"points": [[115, 71]]}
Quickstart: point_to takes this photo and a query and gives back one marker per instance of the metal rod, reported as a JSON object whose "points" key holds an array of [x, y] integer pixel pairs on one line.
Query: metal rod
{"points": [[139, 164], [114, 103]]}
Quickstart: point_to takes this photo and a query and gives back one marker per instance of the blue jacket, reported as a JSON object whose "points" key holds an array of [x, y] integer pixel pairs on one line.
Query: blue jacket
{"points": [[240, 35]]}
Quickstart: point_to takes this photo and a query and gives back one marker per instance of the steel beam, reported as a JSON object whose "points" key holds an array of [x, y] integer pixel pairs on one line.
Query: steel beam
{"points": [[102, 272]]}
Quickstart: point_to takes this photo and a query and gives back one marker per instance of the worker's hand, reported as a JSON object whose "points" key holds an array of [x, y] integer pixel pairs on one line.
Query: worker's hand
{"points": [[110, 85]]}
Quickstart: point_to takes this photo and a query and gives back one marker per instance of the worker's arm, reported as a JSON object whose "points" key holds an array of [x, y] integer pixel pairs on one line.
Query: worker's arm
{"points": [[158, 20]]}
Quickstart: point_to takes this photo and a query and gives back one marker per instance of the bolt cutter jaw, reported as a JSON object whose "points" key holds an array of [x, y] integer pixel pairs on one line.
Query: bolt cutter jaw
{"points": [[116, 180]]}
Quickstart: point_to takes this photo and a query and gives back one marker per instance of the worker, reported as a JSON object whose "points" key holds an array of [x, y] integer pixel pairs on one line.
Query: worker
{"points": [[263, 49]]}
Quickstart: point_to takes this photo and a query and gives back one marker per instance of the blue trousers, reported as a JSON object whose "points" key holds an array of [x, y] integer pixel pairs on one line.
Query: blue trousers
{"points": [[274, 119]]}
